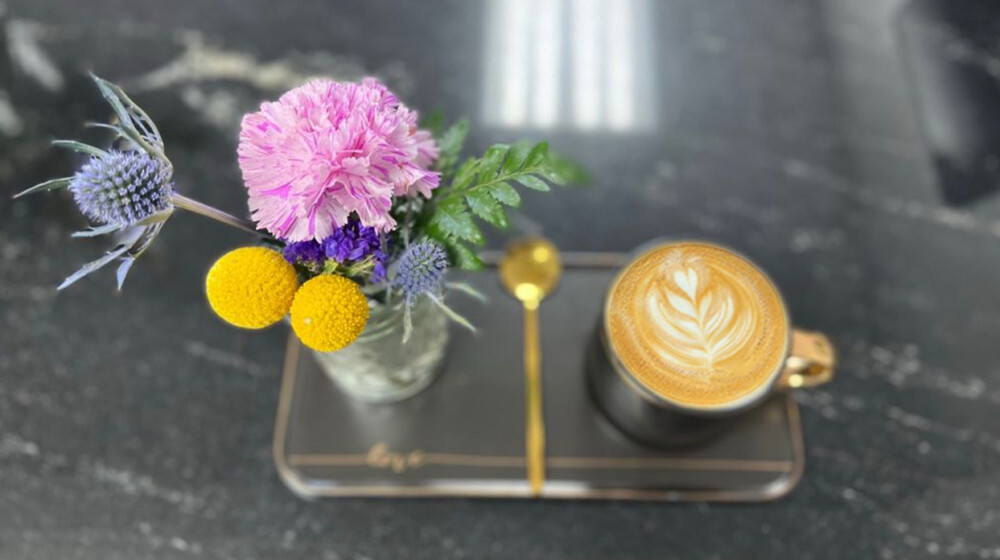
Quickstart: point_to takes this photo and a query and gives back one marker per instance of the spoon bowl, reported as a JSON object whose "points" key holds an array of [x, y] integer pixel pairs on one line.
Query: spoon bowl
{"points": [[531, 269]]}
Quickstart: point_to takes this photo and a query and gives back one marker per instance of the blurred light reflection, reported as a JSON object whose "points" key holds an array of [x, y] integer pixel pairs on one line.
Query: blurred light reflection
{"points": [[583, 64]]}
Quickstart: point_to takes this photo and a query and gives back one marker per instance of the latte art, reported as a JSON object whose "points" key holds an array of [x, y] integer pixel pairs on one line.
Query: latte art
{"points": [[696, 324]]}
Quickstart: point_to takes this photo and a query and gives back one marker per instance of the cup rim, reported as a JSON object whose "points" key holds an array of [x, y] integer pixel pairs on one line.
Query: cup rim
{"points": [[743, 402]]}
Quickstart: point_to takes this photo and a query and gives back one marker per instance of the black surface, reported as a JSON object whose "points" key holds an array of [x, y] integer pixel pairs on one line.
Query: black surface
{"points": [[950, 50], [481, 389], [139, 426]]}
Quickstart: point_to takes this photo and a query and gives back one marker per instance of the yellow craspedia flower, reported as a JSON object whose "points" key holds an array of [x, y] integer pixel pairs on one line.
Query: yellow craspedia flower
{"points": [[251, 287], [329, 312]]}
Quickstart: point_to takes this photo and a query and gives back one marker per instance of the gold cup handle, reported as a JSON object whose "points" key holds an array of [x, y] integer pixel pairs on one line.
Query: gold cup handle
{"points": [[811, 361]]}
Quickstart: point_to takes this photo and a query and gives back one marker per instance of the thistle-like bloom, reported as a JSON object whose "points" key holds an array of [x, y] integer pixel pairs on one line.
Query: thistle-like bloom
{"points": [[420, 270], [127, 193], [328, 149], [122, 188]]}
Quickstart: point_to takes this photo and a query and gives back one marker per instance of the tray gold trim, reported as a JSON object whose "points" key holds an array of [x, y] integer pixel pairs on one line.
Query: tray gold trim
{"points": [[380, 457]]}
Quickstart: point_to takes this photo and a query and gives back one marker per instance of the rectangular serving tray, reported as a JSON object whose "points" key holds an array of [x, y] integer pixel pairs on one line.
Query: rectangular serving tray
{"points": [[464, 435]]}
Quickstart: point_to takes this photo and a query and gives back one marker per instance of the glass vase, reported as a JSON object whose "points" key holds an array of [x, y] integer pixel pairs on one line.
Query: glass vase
{"points": [[378, 366]]}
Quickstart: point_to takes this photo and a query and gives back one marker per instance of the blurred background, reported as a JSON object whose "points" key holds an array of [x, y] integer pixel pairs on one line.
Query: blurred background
{"points": [[850, 147]]}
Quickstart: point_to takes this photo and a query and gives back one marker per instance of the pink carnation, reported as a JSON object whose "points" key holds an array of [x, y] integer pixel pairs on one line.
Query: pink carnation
{"points": [[327, 149]]}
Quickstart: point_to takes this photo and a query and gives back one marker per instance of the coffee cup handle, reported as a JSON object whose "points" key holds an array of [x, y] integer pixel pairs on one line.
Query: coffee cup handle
{"points": [[811, 361]]}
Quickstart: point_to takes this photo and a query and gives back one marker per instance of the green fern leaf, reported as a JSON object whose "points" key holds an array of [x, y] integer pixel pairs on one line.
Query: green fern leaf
{"points": [[486, 207], [516, 157], [450, 144], [465, 174], [505, 194], [464, 257], [491, 161], [533, 183], [453, 220], [538, 155]]}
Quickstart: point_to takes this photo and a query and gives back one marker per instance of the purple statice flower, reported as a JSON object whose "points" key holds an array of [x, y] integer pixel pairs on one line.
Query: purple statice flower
{"points": [[304, 252], [352, 242], [122, 188], [420, 270], [379, 270]]}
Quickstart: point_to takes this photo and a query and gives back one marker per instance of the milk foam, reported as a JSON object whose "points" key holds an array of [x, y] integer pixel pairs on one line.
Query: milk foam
{"points": [[697, 323]]}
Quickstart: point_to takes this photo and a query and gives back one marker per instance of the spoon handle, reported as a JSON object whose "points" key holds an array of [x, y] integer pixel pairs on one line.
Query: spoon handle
{"points": [[535, 429]]}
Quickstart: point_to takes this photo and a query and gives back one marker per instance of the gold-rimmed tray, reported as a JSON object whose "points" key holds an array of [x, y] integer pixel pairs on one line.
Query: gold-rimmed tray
{"points": [[464, 436]]}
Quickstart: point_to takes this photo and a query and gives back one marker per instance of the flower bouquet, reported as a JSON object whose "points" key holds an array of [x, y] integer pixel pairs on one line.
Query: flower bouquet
{"points": [[360, 213]]}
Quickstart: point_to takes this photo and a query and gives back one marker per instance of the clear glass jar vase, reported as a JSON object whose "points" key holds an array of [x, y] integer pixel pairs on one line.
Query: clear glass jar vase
{"points": [[378, 366]]}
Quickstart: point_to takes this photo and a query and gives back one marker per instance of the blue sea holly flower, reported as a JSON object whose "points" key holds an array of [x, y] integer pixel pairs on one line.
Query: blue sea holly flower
{"points": [[122, 188], [126, 193], [420, 270]]}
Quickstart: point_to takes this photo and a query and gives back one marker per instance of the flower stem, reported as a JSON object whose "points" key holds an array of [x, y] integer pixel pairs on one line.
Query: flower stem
{"points": [[191, 205]]}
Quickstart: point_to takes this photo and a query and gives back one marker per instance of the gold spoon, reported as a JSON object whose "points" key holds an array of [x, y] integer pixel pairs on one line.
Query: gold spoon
{"points": [[530, 270]]}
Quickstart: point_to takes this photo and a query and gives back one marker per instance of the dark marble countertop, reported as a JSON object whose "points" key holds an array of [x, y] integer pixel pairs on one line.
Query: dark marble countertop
{"points": [[139, 426]]}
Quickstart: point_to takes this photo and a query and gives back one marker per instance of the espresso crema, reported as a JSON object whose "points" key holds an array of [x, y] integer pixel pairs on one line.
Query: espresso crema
{"points": [[697, 324]]}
